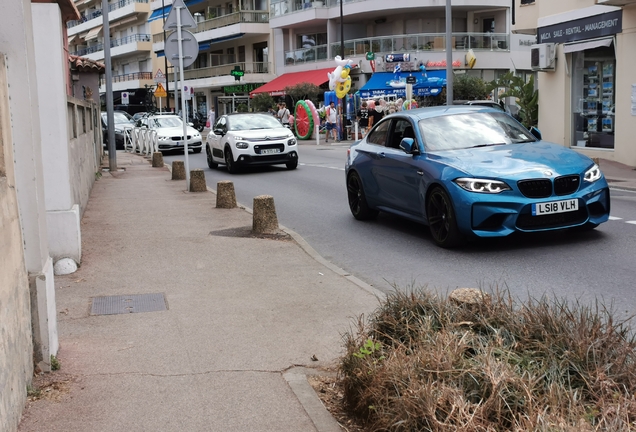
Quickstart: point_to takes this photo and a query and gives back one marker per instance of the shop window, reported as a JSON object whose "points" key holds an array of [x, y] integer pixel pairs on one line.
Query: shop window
{"points": [[593, 98]]}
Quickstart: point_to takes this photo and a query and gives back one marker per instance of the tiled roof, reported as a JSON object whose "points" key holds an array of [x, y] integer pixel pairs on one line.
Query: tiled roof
{"points": [[84, 64]]}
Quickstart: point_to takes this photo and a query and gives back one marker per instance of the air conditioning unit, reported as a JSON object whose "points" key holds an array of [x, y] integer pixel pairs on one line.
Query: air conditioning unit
{"points": [[542, 56]]}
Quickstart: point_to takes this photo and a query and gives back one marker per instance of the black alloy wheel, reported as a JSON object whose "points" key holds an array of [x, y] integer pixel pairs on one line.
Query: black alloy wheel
{"points": [[229, 161], [357, 200], [441, 219], [211, 163]]}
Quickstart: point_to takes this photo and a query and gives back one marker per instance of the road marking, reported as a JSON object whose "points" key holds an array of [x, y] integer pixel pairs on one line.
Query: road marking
{"points": [[322, 166], [631, 222], [614, 218]]}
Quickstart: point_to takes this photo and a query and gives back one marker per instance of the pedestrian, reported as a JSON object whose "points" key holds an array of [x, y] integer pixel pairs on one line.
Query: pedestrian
{"points": [[332, 117], [376, 114], [211, 118], [363, 119], [283, 114]]}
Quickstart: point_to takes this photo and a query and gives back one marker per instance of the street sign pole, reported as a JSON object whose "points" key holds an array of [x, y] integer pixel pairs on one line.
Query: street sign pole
{"points": [[183, 101]]}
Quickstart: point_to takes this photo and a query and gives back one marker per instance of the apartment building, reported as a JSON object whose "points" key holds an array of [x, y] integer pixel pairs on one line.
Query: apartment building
{"points": [[232, 35], [130, 44], [587, 73], [271, 42]]}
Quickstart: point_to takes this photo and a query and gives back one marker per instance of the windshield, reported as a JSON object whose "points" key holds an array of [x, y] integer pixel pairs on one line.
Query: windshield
{"points": [[252, 122], [165, 122], [480, 129], [117, 118]]}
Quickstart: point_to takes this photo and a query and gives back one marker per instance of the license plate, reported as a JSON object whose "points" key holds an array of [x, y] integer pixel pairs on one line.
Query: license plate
{"points": [[270, 151], [540, 209]]}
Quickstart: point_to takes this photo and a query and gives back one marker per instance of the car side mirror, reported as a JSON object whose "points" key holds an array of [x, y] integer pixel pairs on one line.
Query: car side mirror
{"points": [[535, 132], [409, 146], [219, 131]]}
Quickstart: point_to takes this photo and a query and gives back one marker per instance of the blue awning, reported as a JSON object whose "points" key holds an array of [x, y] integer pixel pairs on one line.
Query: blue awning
{"points": [[428, 83], [159, 13]]}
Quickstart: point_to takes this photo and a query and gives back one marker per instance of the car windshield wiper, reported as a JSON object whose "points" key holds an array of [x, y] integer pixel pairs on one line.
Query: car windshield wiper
{"points": [[487, 145], [524, 141]]}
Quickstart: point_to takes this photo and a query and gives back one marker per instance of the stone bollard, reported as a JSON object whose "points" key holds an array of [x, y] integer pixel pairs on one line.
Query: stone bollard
{"points": [[264, 217], [470, 297], [178, 170], [157, 160], [225, 196], [197, 181]]}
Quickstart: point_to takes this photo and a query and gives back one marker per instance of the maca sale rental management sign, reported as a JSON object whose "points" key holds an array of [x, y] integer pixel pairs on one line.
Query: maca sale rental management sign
{"points": [[606, 24]]}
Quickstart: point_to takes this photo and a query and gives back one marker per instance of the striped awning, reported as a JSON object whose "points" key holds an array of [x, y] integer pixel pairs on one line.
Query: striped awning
{"points": [[93, 33]]}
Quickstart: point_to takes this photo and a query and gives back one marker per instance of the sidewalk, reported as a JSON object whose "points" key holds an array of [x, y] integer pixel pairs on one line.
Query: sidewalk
{"points": [[244, 316]]}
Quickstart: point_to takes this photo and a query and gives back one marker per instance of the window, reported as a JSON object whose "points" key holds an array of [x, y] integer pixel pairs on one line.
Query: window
{"points": [[402, 129], [525, 2], [241, 53], [593, 98], [379, 134], [83, 111], [311, 40]]}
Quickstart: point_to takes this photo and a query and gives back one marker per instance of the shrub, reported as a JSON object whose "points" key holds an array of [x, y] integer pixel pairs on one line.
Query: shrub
{"points": [[466, 87], [425, 363], [262, 102]]}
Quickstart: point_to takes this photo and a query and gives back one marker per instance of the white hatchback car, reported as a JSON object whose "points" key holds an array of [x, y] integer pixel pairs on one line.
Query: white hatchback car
{"points": [[243, 139], [169, 129]]}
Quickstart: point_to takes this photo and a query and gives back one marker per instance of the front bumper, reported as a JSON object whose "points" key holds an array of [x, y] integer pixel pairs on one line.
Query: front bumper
{"points": [[499, 215], [178, 145], [270, 159]]}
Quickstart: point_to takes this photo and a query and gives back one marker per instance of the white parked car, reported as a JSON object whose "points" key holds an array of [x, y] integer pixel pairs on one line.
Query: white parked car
{"points": [[243, 139], [169, 129]]}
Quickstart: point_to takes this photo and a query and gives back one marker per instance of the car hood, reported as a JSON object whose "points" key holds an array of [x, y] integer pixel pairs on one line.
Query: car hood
{"points": [[515, 161], [274, 133], [175, 131]]}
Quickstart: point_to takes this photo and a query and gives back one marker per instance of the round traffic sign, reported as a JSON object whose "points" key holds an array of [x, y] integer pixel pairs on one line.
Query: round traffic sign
{"points": [[190, 48]]}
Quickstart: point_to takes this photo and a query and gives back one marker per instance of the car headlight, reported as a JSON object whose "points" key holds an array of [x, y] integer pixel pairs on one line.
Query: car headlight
{"points": [[291, 142], [593, 174], [241, 145], [196, 135], [482, 185], [162, 138]]}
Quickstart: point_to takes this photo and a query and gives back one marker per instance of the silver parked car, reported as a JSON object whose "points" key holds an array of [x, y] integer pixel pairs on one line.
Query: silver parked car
{"points": [[169, 129]]}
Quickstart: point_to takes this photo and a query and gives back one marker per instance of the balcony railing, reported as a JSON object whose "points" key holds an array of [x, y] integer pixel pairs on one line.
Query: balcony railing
{"points": [[402, 44], [223, 70], [113, 43], [290, 6], [226, 20], [128, 77], [98, 12]]}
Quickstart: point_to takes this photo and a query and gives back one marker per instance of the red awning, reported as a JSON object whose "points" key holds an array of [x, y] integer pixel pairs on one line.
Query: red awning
{"points": [[275, 87]]}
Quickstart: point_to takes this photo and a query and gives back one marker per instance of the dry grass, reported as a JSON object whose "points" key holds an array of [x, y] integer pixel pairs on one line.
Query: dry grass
{"points": [[424, 363]]}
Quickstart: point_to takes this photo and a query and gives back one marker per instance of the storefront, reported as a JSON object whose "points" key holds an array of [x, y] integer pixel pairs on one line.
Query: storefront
{"points": [[591, 81]]}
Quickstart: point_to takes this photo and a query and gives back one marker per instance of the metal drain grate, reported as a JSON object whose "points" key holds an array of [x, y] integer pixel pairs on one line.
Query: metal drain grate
{"points": [[122, 304]]}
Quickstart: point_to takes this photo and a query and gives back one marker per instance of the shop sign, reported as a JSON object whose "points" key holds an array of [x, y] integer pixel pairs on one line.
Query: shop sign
{"points": [[241, 88], [606, 24]]}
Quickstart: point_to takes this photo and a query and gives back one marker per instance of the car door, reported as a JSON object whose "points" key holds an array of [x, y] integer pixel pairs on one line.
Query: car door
{"points": [[215, 138], [397, 175], [367, 154]]}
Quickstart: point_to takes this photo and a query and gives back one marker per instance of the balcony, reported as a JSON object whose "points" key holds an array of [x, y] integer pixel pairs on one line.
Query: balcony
{"points": [[244, 17], [526, 17], [224, 70], [128, 81], [115, 11], [119, 47], [418, 43]]}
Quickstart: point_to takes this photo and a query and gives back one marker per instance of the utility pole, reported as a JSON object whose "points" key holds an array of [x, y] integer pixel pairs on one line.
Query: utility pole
{"points": [[342, 53], [165, 59], [449, 54], [110, 121]]}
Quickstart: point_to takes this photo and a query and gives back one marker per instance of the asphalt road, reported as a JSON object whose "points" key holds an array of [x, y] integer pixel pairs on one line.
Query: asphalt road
{"points": [[391, 252]]}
